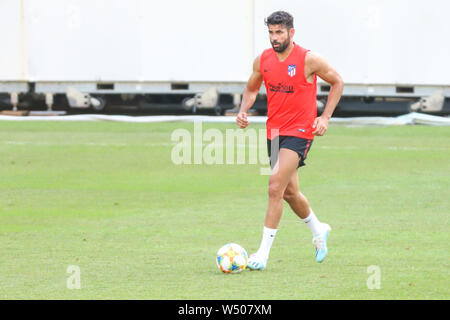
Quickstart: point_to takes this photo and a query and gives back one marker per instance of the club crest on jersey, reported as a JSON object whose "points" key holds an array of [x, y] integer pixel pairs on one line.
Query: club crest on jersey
{"points": [[291, 70]]}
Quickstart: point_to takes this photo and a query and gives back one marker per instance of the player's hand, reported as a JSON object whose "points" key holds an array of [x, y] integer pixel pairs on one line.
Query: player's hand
{"points": [[320, 125], [241, 120]]}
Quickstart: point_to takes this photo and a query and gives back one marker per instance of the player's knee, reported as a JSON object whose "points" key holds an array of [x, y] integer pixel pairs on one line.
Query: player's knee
{"points": [[289, 195], [275, 190]]}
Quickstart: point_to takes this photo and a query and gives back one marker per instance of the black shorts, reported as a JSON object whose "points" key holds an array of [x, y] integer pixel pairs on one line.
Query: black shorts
{"points": [[299, 145]]}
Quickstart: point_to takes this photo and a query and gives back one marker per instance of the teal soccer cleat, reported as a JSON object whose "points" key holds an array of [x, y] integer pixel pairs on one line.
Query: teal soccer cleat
{"points": [[320, 242], [255, 262]]}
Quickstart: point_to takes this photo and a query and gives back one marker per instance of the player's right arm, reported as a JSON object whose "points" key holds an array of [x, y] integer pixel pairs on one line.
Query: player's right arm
{"points": [[250, 93]]}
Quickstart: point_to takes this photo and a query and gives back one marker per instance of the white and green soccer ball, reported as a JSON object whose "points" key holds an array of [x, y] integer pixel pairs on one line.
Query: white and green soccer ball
{"points": [[231, 258]]}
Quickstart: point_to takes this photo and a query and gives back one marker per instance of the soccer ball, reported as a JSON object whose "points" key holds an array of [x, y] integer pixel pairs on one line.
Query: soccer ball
{"points": [[231, 258]]}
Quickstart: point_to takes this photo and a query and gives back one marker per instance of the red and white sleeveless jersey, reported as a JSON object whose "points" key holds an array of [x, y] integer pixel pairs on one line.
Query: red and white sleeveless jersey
{"points": [[291, 100]]}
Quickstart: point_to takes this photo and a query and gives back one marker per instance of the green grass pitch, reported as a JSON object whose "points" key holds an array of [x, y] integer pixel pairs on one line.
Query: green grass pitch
{"points": [[106, 197]]}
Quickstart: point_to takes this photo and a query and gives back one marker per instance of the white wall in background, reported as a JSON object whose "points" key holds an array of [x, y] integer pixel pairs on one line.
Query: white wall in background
{"points": [[371, 41], [368, 41]]}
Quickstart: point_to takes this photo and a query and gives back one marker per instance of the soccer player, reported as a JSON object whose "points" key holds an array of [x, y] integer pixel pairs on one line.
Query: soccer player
{"points": [[290, 75]]}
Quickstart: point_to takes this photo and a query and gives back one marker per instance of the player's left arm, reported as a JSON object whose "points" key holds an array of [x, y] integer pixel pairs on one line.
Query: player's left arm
{"points": [[316, 64]]}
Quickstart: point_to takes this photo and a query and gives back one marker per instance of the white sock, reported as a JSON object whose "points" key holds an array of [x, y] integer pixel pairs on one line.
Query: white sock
{"points": [[313, 224], [266, 242]]}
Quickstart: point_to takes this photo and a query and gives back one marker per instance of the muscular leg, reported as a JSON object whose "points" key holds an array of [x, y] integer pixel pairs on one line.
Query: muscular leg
{"points": [[299, 204], [284, 169], [283, 184], [297, 201]]}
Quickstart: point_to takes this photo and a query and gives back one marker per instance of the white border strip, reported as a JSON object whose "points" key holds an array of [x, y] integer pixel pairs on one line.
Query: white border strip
{"points": [[407, 119]]}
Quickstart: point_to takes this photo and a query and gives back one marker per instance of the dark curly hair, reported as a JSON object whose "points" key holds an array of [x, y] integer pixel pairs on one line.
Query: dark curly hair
{"points": [[280, 17]]}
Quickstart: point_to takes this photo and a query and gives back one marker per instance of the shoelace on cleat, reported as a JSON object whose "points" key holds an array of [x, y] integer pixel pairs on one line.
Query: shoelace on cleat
{"points": [[318, 243], [255, 264]]}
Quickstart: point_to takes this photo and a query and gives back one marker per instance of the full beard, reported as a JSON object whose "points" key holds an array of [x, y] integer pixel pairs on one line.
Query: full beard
{"points": [[281, 46]]}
